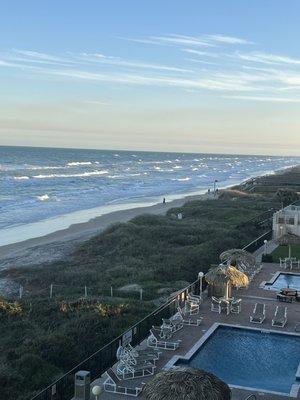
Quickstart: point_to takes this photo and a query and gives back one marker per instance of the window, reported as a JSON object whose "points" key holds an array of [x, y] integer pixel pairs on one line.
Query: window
{"points": [[280, 220], [290, 221]]}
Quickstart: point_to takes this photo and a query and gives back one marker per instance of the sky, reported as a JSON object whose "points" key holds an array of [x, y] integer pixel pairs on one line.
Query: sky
{"points": [[188, 76]]}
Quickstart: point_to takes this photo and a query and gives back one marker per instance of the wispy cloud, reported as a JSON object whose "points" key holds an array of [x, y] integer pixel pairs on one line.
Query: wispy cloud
{"points": [[227, 39], [217, 63], [266, 58], [36, 57], [97, 103], [264, 99], [188, 40], [96, 58], [183, 40], [201, 53]]}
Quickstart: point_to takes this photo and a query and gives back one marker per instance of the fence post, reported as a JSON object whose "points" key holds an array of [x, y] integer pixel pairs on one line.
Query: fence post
{"points": [[111, 292], [51, 290], [85, 291], [20, 292], [141, 294]]}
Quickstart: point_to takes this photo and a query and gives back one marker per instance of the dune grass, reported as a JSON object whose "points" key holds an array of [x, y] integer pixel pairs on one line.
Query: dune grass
{"points": [[159, 253]]}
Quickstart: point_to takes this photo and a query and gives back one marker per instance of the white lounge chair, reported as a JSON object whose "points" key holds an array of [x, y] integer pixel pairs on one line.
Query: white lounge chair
{"points": [[191, 308], [175, 324], [111, 385], [155, 354], [259, 313], [280, 317], [130, 367], [156, 342], [215, 305], [194, 298], [188, 321], [236, 306], [128, 371], [164, 331], [225, 306]]}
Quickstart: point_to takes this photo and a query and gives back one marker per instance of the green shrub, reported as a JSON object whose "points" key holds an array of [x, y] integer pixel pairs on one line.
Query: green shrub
{"points": [[268, 258]]}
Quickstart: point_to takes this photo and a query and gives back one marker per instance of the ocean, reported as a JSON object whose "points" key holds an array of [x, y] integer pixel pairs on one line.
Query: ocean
{"points": [[46, 189]]}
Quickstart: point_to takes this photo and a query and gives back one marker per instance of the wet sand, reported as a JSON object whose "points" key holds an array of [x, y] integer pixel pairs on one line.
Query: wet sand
{"points": [[59, 244]]}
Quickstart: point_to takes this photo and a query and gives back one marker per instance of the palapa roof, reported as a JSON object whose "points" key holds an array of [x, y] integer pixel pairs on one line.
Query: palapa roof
{"points": [[239, 258], [224, 274], [186, 384]]}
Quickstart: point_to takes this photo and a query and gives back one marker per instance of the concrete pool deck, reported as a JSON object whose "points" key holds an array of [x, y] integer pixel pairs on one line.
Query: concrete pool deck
{"points": [[276, 276], [191, 335]]}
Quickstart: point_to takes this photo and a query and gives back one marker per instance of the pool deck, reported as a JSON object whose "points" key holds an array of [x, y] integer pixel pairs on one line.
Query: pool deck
{"points": [[190, 335]]}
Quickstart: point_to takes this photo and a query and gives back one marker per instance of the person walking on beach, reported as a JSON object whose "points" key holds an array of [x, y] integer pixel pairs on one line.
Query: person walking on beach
{"points": [[164, 200]]}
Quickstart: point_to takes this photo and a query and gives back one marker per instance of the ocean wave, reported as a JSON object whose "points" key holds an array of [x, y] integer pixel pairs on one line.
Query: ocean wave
{"points": [[21, 178], [41, 167], [76, 163], [44, 197], [181, 179], [115, 176], [79, 175]]}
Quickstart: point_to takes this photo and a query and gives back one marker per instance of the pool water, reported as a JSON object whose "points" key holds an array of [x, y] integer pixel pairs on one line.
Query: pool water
{"points": [[283, 280], [250, 358]]}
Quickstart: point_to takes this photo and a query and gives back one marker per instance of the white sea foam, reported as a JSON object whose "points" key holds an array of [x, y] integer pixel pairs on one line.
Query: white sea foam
{"points": [[79, 175], [115, 176], [44, 197], [75, 163], [181, 179], [45, 167], [21, 178]]}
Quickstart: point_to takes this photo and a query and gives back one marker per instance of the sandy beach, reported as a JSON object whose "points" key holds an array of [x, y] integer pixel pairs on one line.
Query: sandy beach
{"points": [[57, 245]]}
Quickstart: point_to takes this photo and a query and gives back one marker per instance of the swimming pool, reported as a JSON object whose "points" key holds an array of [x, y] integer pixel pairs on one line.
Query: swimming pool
{"points": [[248, 358], [284, 280]]}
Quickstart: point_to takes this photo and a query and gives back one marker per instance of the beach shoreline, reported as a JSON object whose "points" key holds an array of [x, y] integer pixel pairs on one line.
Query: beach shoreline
{"points": [[60, 243], [65, 240]]}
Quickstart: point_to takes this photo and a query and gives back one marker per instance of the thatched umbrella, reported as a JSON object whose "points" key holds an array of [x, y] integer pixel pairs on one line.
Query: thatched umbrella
{"points": [[186, 384], [288, 239], [238, 258], [226, 276]]}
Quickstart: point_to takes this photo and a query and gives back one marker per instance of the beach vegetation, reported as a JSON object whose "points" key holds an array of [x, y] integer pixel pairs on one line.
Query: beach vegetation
{"points": [[45, 337]]}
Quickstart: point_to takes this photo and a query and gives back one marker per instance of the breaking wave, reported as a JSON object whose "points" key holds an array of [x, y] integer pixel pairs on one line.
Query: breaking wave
{"points": [[44, 197], [79, 175], [21, 178], [75, 163]]}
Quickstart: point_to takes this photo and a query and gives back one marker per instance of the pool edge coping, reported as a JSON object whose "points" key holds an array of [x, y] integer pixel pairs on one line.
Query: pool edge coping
{"points": [[295, 388], [264, 284]]}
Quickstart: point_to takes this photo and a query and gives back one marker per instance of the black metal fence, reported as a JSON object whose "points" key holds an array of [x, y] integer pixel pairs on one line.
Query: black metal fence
{"points": [[104, 358], [257, 243]]}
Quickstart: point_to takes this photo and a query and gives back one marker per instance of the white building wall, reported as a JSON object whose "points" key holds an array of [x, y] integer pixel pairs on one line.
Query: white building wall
{"points": [[286, 220]]}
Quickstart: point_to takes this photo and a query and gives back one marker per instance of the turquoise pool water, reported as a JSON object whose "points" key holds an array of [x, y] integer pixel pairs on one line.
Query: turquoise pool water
{"points": [[283, 280], [250, 358]]}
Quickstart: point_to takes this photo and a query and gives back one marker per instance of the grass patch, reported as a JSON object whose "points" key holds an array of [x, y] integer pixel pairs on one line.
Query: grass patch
{"points": [[283, 252]]}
